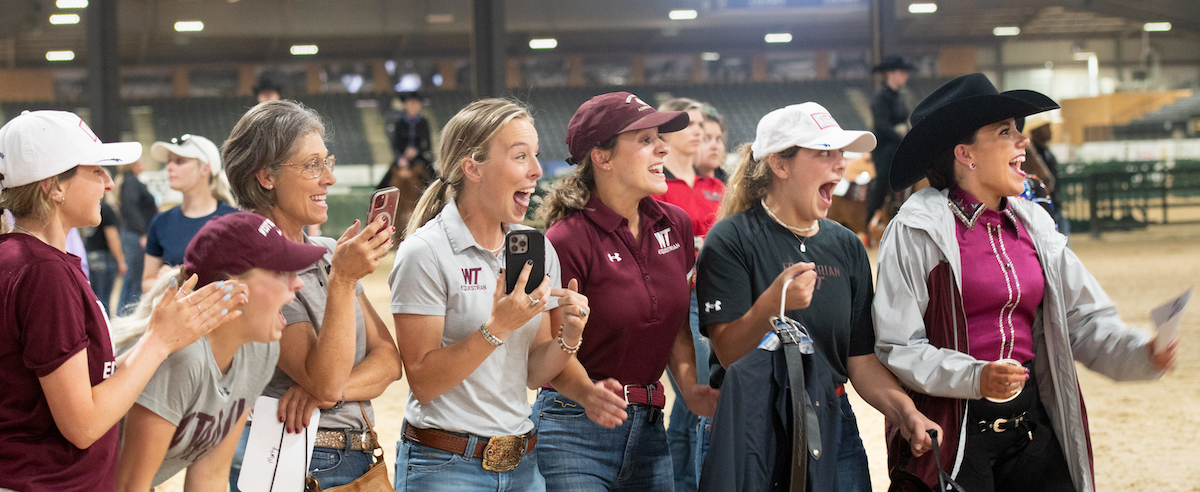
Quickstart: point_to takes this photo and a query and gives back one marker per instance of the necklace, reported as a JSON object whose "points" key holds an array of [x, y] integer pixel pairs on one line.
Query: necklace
{"points": [[26, 231], [796, 231]]}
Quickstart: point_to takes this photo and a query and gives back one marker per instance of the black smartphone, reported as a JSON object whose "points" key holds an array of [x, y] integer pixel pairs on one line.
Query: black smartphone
{"points": [[521, 246]]}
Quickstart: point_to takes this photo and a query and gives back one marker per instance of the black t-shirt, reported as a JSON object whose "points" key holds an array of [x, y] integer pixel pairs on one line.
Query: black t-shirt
{"points": [[744, 253], [108, 218]]}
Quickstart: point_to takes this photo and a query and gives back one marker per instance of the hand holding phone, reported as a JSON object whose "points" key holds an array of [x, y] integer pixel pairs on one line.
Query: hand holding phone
{"points": [[383, 203]]}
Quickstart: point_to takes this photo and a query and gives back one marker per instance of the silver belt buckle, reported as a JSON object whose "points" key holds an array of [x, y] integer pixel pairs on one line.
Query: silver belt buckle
{"points": [[996, 425]]}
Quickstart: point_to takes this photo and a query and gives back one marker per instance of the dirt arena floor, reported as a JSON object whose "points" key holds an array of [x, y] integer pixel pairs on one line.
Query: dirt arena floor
{"points": [[1145, 435]]}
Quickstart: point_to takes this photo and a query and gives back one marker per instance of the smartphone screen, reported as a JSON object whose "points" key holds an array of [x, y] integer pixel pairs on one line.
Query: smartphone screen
{"points": [[519, 247], [383, 202]]}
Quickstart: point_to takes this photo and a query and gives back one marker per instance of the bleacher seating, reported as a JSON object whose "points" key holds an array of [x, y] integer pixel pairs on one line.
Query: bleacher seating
{"points": [[1162, 123]]}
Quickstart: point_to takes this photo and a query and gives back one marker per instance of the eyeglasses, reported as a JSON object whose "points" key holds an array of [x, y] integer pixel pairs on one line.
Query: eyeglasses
{"points": [[182, 139], [313, 168]]}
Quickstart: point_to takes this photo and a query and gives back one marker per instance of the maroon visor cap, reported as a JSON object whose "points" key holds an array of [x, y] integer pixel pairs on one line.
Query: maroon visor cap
{"points": [[233, 244]]}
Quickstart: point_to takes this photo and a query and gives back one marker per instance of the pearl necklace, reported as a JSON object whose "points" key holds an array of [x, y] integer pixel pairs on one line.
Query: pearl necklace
{"points": [[796, 231]]}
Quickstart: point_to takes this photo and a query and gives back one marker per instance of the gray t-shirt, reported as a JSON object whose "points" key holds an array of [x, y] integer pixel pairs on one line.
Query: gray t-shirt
{"points": [[309, 306], [441, 271], [189, 391]]}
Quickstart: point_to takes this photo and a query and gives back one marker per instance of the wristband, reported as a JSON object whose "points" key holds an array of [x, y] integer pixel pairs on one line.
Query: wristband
{"points": [[487, 335]]}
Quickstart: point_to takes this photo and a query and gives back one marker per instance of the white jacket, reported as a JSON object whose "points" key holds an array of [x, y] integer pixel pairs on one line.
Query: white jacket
{"points": [[1076, 322]]}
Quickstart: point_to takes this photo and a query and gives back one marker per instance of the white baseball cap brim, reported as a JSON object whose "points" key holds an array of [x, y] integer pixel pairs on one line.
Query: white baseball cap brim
{"points": [[195, 147], [808, 125], [40, 144]]}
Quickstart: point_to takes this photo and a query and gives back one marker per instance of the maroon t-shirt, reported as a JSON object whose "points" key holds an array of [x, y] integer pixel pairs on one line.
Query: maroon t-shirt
{"points": [[48, 313], [638, 293]]}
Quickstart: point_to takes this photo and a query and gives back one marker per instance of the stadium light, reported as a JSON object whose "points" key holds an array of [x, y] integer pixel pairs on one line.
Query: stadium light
{"points": [[60, 55], [543, 43], [71, 4], [63, 19], [682, 14], [1006, 31], [189, 26], [778, 37], [1157, 27], [922, 8], [710, 56], [304, 49]]}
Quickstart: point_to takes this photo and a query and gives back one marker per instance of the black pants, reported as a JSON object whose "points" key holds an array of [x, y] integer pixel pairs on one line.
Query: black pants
{"points": [[879, 189], [1011, 460]]}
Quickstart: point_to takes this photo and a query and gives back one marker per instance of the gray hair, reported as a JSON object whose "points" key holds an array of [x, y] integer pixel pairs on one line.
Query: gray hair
{"points": [[265, 136]]}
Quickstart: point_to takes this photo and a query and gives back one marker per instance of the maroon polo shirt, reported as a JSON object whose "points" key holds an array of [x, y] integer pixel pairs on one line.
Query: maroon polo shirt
{"points": [[48, 314], [638, 293], [701, 201]]}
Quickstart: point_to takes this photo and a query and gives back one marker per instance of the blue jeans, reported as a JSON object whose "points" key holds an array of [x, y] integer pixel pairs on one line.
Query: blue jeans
{"points": [[853, 473], [422, 468], [102, 269], [681, 433], [576, 454], [703, 436], [135, 260], [235, 467], [334, 467]]}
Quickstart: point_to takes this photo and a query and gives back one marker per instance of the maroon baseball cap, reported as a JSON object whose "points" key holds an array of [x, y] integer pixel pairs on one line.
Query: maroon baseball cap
{"points": [[233, 244], [608, 115]]}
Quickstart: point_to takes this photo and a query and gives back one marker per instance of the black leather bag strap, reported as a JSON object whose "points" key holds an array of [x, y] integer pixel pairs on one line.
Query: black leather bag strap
{"points": [[806, 430], [944, 479]]}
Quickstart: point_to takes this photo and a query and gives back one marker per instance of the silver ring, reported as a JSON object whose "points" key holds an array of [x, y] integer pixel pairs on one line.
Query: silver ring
{"points": [[582, 313], [533, 302]]}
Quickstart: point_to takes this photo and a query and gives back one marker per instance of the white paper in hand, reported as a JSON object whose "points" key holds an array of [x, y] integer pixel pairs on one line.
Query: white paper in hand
{"points": [[1166, 319], [276, 461]]}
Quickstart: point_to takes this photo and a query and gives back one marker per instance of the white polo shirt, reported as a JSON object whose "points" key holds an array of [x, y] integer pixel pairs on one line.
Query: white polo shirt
{"points": [[441, 271]]}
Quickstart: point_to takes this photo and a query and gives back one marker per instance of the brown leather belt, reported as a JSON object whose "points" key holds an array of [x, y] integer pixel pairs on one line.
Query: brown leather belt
{"points": [[336, 439], [514, 446]]}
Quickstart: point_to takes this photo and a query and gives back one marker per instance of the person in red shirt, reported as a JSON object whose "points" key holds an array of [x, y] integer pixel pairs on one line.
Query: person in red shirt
{"points": [[631, 255], [64, 390]]}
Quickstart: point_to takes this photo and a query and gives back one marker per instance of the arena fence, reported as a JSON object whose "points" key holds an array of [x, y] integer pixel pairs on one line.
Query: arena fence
{"points": [[1130, 195]]}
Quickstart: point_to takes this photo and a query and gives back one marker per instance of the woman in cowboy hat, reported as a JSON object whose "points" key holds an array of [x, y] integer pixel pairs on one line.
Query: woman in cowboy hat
{"points": [[1032, 309]]}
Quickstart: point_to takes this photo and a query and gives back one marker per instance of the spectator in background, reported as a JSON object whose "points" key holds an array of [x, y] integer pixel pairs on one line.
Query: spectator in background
{"points": [[1044, 164], [712, 149], [890, 114], [193, 165], [412, 143], [699, 194], [105, 259], [135, 208], [267, 90]]}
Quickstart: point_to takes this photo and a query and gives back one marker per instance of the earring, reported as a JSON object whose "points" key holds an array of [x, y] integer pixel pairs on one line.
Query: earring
{"points": [[270, 187], [972, 165], [60, 199]]}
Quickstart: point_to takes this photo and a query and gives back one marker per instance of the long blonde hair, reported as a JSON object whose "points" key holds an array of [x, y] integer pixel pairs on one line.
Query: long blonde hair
{"points": [[467, 135], [750, 181], [128, 328]]}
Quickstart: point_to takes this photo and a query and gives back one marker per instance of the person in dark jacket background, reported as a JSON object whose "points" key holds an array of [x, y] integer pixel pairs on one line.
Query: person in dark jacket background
{"points": [[890, 114], [412, 143], [136, 208]]}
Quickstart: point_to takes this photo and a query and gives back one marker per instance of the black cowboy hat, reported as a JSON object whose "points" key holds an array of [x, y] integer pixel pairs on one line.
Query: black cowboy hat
{"points": [[890, 63], [952, 112]]}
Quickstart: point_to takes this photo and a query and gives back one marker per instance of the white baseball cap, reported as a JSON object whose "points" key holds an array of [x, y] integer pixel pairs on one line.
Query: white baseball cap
{"points": [[40, 144], [190, 146], [807, 125]]}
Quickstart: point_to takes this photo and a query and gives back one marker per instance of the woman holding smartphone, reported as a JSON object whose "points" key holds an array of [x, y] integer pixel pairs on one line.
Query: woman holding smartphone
{"points": [[631, 255], [335, 352], [212, 383], [64, 391], [470, 348]]}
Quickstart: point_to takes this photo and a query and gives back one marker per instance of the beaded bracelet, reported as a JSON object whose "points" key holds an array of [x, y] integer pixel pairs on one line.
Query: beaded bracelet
{"points": [[487, 335], [562, 344]]}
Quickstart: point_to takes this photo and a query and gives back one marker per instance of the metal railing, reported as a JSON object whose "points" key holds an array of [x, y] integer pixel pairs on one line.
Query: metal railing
{"points": [[1126, 196]]}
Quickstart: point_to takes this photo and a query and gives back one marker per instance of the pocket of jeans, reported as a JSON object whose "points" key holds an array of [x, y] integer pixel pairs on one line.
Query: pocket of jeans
{"points": [[424, 459], [560, 408], [324, 461]]}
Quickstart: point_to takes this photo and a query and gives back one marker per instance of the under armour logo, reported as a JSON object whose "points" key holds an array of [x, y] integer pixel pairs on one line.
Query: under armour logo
{"points": [[712, 306], [614, 257]]}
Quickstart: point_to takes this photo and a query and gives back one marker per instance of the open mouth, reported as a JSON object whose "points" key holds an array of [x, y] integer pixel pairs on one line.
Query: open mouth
{"points": [[826, 192], [318, 199], [1015, 164], [657, 170], [521, 197]]}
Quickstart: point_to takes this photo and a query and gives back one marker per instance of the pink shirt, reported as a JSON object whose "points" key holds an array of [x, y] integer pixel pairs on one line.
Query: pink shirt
{"points": [[1002, 281]]}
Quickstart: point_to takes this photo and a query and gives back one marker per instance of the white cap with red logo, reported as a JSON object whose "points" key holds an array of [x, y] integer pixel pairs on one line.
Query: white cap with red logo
{"points": [[807, 125], [40, 144]]}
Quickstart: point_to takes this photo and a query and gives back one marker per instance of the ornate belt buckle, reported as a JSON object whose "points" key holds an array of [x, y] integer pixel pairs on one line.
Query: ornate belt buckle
{"points": [[503, 453], [996, 425]]}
